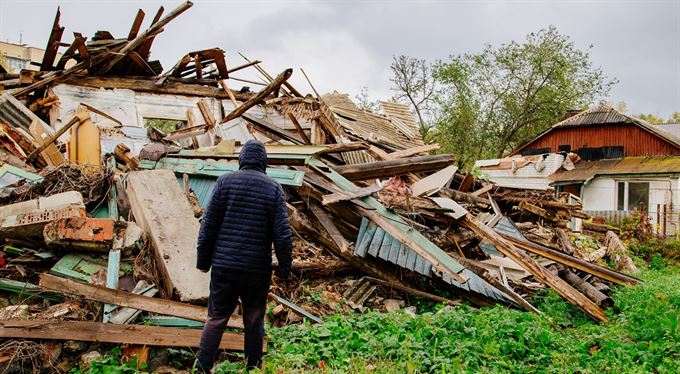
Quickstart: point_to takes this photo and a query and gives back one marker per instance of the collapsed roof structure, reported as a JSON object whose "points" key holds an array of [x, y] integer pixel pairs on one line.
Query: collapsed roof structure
{"points": [[362, 186]]}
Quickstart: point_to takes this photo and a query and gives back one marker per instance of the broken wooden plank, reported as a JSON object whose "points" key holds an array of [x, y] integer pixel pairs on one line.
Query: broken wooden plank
{"points": [[299, 129], [413, 151], [206, 113], [260, 96], [77, 118], [390, 168], [434, 182], [144, 36], [346, 195], [343, 147], [136, 25], [295, 308], [110, 333], [482, 190], [465, 197], [576, 263], [162, 210], [588, 289], [130, 300], [50, 152], [539, 272], [52, 44], [270, 130], [413, 291], [531, 208]]}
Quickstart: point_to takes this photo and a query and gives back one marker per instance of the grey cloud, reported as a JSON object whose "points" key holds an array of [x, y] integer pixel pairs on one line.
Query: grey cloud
{"points": [[346, 45]]}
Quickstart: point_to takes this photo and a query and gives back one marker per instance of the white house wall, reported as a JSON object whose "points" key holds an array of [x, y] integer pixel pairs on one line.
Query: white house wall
{"points": [[600, 194], [600, 198], [127, 106]]}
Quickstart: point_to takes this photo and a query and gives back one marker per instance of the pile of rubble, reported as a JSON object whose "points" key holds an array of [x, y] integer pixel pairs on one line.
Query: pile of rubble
{"points": [[100, 210]]}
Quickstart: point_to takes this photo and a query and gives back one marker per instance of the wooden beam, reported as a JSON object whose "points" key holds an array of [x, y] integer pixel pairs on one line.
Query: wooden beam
{"points": [[136, 24], [299, 129], [206, 113], [269, 77], [52, 44], [268, 128], [539, 272], [112, 333], [464, 197], [571, 261], [413, 151], [149, 85], [145, 48], [77, 118], [130, 300], [347, 195], [148, 33], [533, 209], [390, 168], [251, 63], [413, 291], [588, 289], [343, 147], [271, 87]]}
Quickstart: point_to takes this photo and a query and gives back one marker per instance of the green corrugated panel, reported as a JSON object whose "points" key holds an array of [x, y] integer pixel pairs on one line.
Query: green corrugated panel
{"points": [[215, 169], [202, 187]]}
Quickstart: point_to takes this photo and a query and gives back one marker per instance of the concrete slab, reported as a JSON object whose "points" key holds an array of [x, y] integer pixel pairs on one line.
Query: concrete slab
{"points": [[160, 208]]}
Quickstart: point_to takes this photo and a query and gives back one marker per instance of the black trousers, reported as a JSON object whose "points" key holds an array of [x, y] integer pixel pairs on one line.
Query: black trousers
{"points": [[226, 287]]}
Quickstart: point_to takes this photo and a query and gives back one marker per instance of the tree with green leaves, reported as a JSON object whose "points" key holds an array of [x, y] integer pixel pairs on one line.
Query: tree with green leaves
{"points": [[493, 101], [651, 118]]}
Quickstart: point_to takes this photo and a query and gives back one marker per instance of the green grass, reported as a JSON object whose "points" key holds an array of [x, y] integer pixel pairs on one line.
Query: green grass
{"points": [[643, 335]]}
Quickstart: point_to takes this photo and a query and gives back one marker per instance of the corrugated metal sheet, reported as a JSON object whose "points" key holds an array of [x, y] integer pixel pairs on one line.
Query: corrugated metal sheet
{"points": [[586, 170], [374, 241], [671, 128], [15, 114], [217, 168], [202, 187]]}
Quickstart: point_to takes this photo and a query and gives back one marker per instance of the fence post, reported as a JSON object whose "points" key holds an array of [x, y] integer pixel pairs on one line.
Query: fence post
{"points": [[664, 221], [658, 220]]}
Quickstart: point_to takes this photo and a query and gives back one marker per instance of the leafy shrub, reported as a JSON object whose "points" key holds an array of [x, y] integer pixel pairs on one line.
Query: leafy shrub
{"points": [[663, 250], [637, 226], [643, 335]]}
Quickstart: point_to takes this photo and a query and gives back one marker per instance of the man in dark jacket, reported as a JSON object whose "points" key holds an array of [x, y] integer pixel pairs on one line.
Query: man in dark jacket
{"points": [[246, 214]]}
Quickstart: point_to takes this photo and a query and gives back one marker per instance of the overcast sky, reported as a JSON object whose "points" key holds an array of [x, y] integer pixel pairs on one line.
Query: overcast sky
{"points": [[347, 45]]}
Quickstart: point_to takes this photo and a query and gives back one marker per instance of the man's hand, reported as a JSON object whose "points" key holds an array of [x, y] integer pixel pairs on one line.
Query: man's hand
{"points": [[280, 275], [204, 270]]}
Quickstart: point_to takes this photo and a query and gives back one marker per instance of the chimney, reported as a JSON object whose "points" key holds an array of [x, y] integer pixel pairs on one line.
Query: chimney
{"points": [[570, 113]]}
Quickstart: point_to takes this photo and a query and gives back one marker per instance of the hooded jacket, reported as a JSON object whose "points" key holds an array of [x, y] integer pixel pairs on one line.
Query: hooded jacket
{"points": [[246, 214]]}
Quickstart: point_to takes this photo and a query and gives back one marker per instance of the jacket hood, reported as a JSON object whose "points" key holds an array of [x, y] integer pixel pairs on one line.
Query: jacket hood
{"points": [[253, 156]]}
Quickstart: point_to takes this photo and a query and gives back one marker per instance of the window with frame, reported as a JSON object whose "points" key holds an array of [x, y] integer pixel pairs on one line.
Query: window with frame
{"points": [[632, 196]]}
